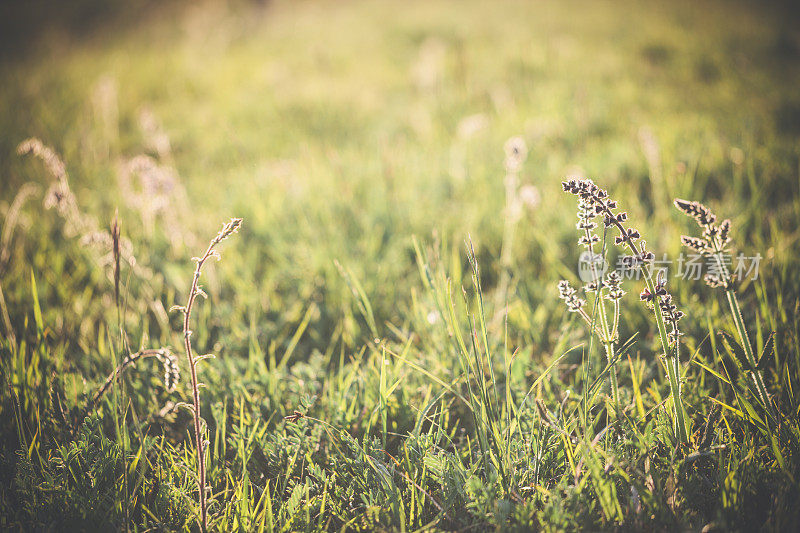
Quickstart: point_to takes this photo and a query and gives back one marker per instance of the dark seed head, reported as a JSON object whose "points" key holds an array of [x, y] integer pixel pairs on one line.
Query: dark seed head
{"points": [[697, 211]]}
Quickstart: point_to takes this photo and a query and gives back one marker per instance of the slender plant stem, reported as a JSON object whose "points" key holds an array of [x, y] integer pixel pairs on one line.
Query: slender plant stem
{"points": [[506, 257], [608, 342], [6, 319], [226, 231], [606, 334], [198, 437], [741, 329], [613, 378], [672, 363], [758, 379]]}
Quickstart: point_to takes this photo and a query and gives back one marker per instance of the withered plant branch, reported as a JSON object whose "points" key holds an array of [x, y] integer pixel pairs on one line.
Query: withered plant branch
{"points": [[162, 354], [226, 231]]}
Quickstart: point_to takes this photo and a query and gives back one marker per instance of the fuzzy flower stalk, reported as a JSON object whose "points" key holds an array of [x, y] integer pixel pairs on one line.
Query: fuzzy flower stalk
{"points": [[609, 289], [595, 202], [713, 245], [200, 446], [517, 199]]}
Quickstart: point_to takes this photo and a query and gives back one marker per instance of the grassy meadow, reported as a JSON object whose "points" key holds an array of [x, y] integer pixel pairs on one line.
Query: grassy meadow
{"points": [[390, 351]]}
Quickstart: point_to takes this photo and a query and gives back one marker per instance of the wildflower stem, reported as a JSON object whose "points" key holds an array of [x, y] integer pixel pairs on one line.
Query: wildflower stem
{"points": [[715, 238], [226, 231], [595, 201], [758, 379], [672, 363], [506, 257], [586, 318], [198, 438], [738, 320], [608, 342], [606, 335], [613, 373]]}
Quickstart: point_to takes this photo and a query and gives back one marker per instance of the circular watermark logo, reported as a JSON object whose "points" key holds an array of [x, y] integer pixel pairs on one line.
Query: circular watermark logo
{"points": [[591, 267]]}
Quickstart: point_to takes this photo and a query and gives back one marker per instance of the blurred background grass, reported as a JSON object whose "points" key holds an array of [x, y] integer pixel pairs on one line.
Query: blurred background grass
{"points": [[340, 129]]}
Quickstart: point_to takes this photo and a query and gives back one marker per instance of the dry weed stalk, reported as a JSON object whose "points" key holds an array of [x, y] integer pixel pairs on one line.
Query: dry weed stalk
{"points": [[11, 221], [227, 230], [163, 355], [9, 225], [59, 195], [155, 191]]}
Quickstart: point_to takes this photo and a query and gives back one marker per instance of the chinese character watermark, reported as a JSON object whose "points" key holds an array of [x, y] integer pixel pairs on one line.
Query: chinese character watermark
{"points": [[691, 266]]}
